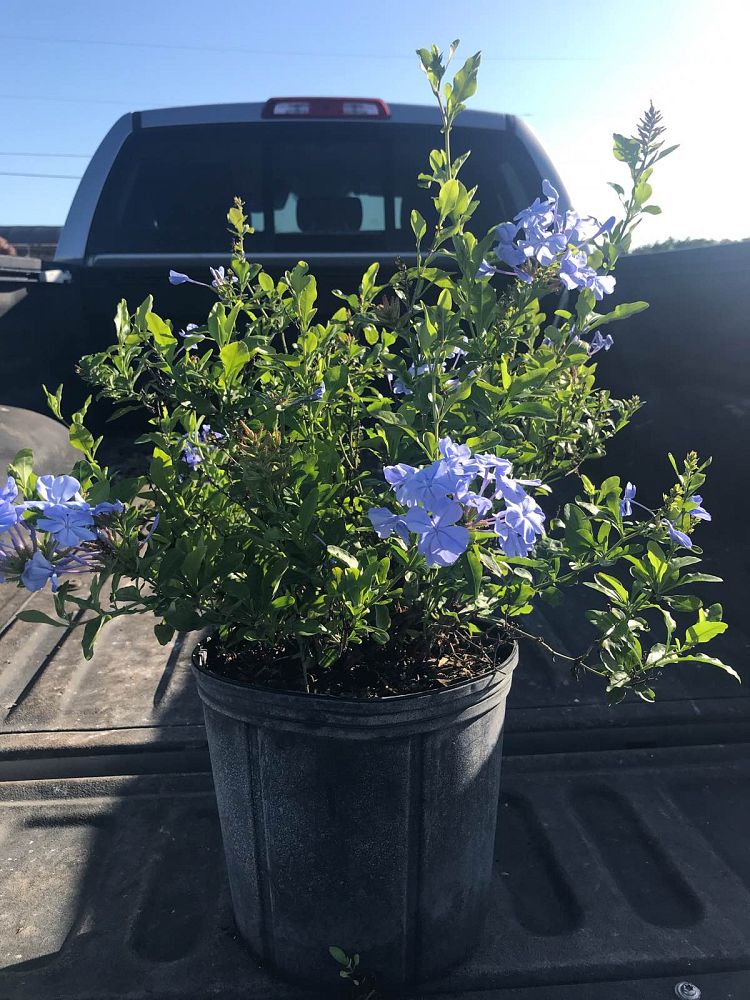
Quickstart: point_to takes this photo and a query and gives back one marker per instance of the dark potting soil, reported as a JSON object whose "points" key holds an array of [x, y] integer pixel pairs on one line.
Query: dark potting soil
{"points": [[366, 671]]}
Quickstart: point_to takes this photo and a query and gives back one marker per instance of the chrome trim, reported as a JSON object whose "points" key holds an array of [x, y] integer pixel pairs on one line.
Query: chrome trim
{"points": [[145, 259]]}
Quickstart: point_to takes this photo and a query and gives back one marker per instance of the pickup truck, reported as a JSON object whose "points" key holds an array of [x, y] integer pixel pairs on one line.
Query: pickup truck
{"points": [[623, 871], [328, 180]]}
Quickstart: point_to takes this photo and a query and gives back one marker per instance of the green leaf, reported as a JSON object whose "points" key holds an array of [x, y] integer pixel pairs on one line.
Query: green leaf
{"points": [[54, 402], [614, 584], [368, 286], [626, 149], [160, 470], [343, 556], [698, 578], [711, 661], [308, 508], [339, 955], [504, 373], [657, 560], [448, 197], [642, 193], [234, 356], [22, 469], [578, 533], [418, 225], [475, 569], [704, 631], [465, 81], [623, 311], [160, 331], [164, 633], [39, 618], [81, 438], [266, 282], [615, 695], [90, 632]]}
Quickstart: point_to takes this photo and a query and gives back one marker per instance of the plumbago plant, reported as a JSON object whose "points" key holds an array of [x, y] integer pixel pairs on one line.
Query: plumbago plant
{"points": [[385, 478]]}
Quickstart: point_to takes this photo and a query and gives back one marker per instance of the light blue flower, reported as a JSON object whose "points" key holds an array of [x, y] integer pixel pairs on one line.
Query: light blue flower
{"points": [[698, 512], [536, 216], [177, 278], [69, 524], [108, 507], [221, 277], [37, 571], [518, 526], [582, 230], [58, 489], [191, 455], [477, 501], [626, 508], [458, 457], [510, 490], [9, 515], [386, 523], [493, 465], [485, 270], [601, 285], [431, 485], [550, 191], [678, 536], [9, 492], [543, 247], [441, 540], [574, 269], [395, 475], [190, 338], [208, 436], [599, 343]]}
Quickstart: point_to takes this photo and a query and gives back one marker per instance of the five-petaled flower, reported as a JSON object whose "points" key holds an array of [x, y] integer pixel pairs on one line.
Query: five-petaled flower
{"points": [[68, 524], [37, 571], [441, 539], [518, 526]]}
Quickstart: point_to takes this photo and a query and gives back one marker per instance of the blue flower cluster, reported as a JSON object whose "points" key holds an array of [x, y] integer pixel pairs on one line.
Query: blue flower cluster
{"points": [[193, 450], [60, 533], [439, 496], [549, 237]]}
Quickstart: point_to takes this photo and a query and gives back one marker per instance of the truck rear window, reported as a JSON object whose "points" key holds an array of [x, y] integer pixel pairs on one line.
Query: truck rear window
{"points": [[307, 186]]}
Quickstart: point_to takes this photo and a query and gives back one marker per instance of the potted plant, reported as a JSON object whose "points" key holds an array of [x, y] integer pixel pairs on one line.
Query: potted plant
{"points": [[359, 513]]}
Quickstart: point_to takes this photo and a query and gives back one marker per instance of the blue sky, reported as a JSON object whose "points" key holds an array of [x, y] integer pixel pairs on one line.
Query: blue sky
{"points": [[576, 72]]}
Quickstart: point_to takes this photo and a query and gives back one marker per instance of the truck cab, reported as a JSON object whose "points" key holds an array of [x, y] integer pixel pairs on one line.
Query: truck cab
{"points": [[331, 181]]}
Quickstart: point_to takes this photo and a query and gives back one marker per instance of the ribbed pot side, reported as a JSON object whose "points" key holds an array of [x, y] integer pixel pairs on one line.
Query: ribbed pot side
{"points": [[369, 825]]}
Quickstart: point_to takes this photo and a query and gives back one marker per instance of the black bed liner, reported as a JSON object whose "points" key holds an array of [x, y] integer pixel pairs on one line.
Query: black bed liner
{"points": [[622, 866], [615, 872]]}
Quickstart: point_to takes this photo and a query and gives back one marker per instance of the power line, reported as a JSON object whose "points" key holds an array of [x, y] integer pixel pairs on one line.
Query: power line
{"points": [[74, 156], [64, 100], [15, 173], [271, 52]]}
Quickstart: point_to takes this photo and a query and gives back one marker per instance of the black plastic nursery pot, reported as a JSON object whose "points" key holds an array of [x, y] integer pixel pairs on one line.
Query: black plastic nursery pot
{"points": [[368, 825]]}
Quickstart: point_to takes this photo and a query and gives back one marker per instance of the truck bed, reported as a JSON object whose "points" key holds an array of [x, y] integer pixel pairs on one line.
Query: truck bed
{"points": [[622, 863]]}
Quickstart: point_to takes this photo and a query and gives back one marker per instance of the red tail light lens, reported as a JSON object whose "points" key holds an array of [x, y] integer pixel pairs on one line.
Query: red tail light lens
{"points": [[325, 107]]}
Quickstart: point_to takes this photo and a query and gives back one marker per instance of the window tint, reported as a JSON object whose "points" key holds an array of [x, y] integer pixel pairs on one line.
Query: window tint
{"points": [[307, 186]]}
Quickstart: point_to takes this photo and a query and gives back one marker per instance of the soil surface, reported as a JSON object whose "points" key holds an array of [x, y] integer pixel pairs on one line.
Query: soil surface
{"points": [[366, 671]]}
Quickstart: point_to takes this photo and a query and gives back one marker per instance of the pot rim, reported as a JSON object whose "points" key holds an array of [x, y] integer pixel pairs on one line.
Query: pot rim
{"points": [[506, 665]]}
